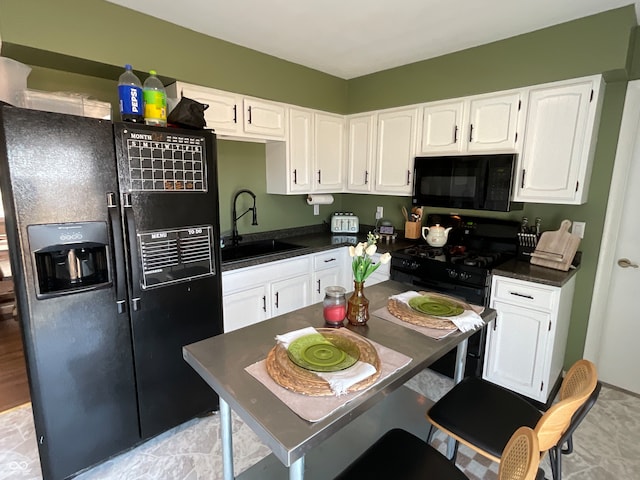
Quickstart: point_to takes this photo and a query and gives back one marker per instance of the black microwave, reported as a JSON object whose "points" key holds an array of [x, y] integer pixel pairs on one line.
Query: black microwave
{"points": [[473, 182]]}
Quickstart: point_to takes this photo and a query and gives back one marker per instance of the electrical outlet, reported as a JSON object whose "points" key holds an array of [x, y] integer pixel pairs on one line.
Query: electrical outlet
{"points": [[578, 228], [379, 213]]}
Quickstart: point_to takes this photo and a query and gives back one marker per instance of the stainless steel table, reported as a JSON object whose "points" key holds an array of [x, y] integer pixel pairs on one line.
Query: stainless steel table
{"points": [[221, 362]]}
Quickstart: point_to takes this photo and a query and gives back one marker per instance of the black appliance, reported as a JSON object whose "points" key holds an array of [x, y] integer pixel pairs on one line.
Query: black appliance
{"points": [[113, 237], [475, 182], [461, 268]]}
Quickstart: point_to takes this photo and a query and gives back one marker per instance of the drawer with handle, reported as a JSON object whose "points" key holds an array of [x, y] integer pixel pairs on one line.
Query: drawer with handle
{"points": [[329, 259], [517, 292]]}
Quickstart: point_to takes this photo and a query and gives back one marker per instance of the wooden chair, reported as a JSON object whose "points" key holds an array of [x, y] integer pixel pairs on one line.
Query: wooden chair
{"points": [[483, 416], [400, 455]]}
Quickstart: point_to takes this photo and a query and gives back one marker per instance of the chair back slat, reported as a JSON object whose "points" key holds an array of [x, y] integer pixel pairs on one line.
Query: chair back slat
{"points": [[521, 456], [577, 386]]}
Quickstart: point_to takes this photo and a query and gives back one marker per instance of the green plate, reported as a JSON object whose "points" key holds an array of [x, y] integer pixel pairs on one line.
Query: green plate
{"points": [[438, 307], [314, 352]]}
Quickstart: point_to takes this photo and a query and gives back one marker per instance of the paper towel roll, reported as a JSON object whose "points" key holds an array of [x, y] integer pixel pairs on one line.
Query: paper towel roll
{"points": [[319, 199]]}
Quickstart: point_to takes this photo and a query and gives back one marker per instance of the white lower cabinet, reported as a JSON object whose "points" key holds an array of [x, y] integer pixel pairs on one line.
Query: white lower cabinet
{"points": [[254, 294], [382, 273], [245, 307], [329, 269], [290, 294], [526, 343]]}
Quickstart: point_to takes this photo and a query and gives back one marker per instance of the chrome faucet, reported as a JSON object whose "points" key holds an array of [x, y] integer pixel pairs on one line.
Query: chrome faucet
{"points": [[235, 238]]}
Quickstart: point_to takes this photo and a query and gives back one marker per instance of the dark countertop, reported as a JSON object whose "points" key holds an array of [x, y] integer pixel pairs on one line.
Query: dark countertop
{"points": [[317, 238], [534, 273], [312, 239]]}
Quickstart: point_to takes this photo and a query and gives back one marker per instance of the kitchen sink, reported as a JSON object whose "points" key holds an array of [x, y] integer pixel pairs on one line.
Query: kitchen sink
{"points": [[256, 249]]}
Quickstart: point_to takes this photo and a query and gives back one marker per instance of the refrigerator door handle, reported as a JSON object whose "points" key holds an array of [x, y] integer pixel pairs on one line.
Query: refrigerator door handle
{"points": [[134, 258], [118, 252]]}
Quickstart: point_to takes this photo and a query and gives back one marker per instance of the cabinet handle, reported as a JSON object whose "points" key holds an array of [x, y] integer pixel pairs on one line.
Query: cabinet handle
{"points": [[522, 181], [471, 133], [318, 286], [277, 299], [249, 119], [495, 323], [523, 295], [329, 260], [455, 134], [319, 178], [264, 303], [408, 177], [366, 177], [235, 114], [295, 176]]}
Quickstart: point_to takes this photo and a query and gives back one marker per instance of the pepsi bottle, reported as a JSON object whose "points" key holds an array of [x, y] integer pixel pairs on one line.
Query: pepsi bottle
{"points": [[131, 98]]}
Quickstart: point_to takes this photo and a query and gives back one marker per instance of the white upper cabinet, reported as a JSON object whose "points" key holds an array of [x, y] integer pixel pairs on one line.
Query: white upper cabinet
{"points": [[481, 123], [313, 157], [361, 144], [395, 151], [441, 124], [559, 141], [329, 152], [493, 121], [233, 115], [266, 119]]}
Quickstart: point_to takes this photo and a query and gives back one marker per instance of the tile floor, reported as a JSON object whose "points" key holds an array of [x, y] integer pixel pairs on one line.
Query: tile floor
{"points": [[607, 446]]}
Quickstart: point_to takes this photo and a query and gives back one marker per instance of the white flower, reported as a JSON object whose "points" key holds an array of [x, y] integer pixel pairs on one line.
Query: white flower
{"points": [[362, 264], [385, 258]]}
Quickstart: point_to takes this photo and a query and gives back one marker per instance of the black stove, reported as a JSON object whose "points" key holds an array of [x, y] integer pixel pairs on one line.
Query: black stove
{"points": [[461, 268]]}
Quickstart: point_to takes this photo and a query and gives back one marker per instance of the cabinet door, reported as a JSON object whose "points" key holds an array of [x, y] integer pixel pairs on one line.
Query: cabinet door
{"points": [[329, 152], [516, 348], [361, 152], [492, 123], [557, 154], [264, 118], [224, 114], [245, 308], [300, 150], [324, 279], [290, 294], [396, 146], [441, 128]]}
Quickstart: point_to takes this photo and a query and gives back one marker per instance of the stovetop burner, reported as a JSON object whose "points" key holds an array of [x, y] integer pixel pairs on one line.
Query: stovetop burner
{"points": [[456, 254]]}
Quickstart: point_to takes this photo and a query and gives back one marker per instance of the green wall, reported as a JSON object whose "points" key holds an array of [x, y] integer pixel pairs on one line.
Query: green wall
{"points": [[77, 53]]}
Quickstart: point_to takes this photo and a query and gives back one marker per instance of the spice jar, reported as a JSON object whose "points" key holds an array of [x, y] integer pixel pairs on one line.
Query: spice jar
{"points": [[334, 306]]}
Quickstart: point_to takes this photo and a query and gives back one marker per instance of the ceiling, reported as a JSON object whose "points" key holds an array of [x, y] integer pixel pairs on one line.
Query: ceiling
{"points": [[350, 38]]}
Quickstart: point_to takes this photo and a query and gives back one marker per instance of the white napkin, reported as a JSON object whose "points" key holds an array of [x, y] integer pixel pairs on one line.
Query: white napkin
{"points": [[339, 381], [466, 321]]}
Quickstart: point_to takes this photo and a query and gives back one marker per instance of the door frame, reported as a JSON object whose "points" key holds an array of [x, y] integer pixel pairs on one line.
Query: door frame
{"points": [[628, 148]]}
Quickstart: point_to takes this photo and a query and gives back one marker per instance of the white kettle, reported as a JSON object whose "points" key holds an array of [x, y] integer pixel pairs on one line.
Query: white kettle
{"points": [[436, 236]]}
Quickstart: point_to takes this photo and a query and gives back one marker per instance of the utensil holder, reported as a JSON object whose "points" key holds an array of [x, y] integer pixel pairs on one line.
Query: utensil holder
{"points": [[412, 230]]}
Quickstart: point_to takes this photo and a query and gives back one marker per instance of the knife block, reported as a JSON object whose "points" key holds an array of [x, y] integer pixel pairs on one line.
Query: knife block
{"points": [[412, 230]]}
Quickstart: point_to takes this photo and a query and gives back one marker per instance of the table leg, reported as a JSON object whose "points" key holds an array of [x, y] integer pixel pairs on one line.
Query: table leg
{"points": [[296, 470], [227, 444], [461, 361]]}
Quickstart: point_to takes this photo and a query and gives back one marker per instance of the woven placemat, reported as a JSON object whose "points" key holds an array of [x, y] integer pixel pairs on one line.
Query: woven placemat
{"points": [[407, 314], [297, 379]]}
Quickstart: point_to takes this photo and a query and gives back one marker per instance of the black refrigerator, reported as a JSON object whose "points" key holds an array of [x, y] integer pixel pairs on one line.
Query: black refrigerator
{"points": [[113, 233]]}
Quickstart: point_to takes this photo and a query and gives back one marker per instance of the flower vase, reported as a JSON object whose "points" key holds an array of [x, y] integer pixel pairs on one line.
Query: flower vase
{"points": [[358, 306]]}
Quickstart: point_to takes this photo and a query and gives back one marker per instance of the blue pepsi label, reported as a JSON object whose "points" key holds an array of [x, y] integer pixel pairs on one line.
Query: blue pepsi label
{"points": [[131, 102]]}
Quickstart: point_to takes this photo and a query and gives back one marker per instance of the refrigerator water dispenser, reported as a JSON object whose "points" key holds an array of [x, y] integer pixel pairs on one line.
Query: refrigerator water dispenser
{"points": [[69, 257]]}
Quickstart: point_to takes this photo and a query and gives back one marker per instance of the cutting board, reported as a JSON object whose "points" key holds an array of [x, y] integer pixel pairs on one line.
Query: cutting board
{"points": [[556, 249]]}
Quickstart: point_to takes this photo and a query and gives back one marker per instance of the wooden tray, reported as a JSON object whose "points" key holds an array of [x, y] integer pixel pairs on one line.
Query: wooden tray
{"points": [[407, 314], [297, 379], [556, 249]]}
